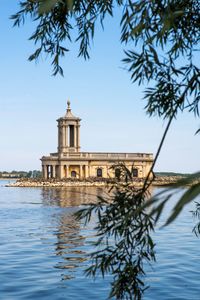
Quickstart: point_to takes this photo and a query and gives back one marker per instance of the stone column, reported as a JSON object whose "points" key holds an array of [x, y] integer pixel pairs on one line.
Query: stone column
{"points": [[53, 171], [61, 171], [107, 172], [67, 172], [66, 136], [81, 171], [63, 137], [44, 171], [75, 136], [86, 171], [78, 137], [58, 138], [47, 170], [89, 170]]}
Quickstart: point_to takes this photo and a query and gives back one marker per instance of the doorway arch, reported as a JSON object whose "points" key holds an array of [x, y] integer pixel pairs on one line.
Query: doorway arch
{"points": [[99, 172], [73, 174], [135, 172]]}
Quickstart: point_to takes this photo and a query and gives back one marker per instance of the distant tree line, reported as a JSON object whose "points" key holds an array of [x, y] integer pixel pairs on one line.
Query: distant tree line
{"points": [[21, 174], [157, 174]]}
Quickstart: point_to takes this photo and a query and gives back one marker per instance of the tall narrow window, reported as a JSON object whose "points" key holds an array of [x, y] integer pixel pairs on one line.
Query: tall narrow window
{"points": [[117, 173], [99, 172], [71, 135], [135, 172]]}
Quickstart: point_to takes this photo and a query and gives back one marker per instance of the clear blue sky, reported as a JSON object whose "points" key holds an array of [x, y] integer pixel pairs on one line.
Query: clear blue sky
{"points": [[101, 93]]}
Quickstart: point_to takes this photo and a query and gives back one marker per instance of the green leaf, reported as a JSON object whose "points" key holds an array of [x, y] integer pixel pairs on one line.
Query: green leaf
{"points": [[198, 131], [187, 197]]}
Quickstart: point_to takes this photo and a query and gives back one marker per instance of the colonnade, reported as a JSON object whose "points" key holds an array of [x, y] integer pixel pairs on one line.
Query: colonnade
{"points": [[49, 171], [68, 137], [82, 171], [64, 171]]}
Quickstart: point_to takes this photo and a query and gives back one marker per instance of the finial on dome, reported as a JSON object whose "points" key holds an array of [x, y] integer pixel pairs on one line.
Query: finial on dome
{"points": [[68, 104], [68, 114]]}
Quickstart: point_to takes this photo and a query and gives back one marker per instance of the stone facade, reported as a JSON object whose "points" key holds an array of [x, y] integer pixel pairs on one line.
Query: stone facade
{"points": [[70, 162]]}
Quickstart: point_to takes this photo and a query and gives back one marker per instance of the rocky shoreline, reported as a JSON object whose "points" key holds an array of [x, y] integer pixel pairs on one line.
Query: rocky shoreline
{"points": [[55, 183], [159, 181]]}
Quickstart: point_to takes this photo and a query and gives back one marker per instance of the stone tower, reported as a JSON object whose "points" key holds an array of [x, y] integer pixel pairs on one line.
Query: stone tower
{"points": [[68, 132]]}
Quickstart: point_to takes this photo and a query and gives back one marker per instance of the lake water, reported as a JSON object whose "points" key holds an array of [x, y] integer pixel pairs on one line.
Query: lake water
{"points": [[43, 249]]}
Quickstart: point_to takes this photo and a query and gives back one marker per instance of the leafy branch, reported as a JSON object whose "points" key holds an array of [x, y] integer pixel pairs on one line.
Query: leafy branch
{"points": [[124, 245]]}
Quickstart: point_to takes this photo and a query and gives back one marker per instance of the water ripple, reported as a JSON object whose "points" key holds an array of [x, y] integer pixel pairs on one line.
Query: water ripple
{"points": [[44, 250]]}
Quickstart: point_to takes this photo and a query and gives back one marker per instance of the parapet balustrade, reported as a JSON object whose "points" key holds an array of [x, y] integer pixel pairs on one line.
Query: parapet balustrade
{"points": [[93, 155]]}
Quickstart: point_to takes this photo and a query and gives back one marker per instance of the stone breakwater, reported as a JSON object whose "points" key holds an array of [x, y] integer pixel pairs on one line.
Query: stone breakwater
{"points": [[167, 180], [159, 181], [98, 182], [55, 183]]}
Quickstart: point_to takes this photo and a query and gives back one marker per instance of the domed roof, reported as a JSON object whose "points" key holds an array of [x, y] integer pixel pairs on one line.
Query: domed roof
{"points": [[69, 114]]}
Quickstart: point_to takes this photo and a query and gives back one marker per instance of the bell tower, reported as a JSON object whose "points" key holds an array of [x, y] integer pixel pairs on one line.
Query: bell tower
{"points": [[68, 132]]}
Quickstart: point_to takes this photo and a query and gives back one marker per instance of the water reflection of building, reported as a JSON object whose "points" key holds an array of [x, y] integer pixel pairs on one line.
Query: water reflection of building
{"points": [[70, 246], [71, 239], [71, 196], [70, 162]]}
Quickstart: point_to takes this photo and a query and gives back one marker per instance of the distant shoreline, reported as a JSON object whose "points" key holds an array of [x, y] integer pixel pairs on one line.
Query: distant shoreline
{"points": [[9, 178]]}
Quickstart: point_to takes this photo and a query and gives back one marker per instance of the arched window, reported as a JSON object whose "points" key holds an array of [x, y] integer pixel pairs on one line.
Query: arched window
{"points": [[117, 173], [73, 174], [135, 172], [99, 172]]}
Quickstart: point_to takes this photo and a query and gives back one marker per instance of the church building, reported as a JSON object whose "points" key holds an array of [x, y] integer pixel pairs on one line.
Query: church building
{"points": [[70, 162]]}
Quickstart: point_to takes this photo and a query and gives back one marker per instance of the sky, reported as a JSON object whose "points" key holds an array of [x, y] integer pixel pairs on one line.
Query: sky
{"points": [[101, 93]]}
